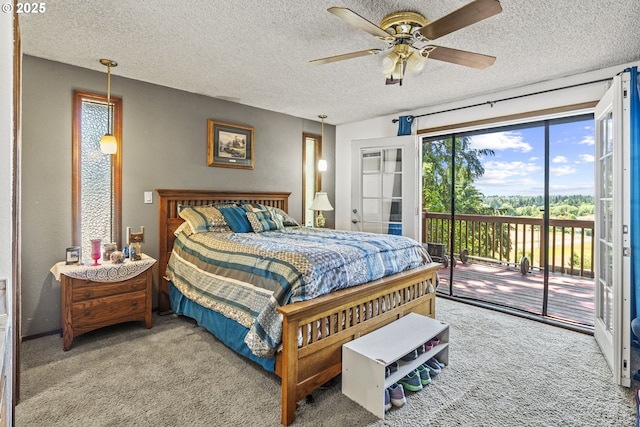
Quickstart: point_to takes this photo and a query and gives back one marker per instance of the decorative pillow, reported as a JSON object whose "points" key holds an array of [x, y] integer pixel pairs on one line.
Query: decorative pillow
{"points": [[284, 217], [183, 228], [254, 207], [264, 221], [204, 218], [237, 220]]}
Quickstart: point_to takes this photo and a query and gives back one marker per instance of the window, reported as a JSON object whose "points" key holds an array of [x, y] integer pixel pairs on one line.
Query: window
{"points": [[311, 176], [96, 177]]}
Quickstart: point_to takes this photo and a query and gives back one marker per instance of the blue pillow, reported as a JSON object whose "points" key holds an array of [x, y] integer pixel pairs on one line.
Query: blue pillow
{"points": [[237, 219]]}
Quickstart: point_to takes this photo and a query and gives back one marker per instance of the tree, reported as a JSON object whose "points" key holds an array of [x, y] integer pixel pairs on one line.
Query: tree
{"points": [[436, 176]]}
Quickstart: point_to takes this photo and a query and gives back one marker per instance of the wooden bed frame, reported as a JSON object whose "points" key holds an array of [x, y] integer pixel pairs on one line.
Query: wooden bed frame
{"points": [[305, 368]]}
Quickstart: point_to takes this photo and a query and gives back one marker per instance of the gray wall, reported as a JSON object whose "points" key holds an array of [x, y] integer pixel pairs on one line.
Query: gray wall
{"points": [[164, 146]]}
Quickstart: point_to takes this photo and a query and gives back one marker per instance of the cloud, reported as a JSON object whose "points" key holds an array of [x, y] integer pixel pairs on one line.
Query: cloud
{"points": [[562, 170], [501, 141], [560, 159], [587, 158], [588, 140]]}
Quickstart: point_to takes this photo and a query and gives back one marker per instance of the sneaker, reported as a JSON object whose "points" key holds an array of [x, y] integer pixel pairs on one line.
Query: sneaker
{"points": [[411, 381], [387, 372], [434, 365], [413, 355], [423, 372], [432, 372], [396, 394], [393, 366], [420, 349], [387, 400], [430, 344]]}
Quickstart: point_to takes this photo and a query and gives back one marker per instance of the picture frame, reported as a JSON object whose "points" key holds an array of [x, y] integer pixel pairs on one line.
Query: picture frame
{"points": [[73, 255], [229, 145]]}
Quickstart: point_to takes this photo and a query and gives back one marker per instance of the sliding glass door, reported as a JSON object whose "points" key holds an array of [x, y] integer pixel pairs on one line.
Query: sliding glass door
{"points": [[509, 210]]}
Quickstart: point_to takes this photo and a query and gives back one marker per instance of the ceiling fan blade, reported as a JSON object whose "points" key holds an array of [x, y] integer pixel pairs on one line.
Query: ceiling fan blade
{"points": [[467, 15], [360, 23], [345, 56], [460, 57]]}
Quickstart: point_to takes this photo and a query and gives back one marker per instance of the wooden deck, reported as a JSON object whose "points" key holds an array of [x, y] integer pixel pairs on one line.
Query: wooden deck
{"points": [[571, 298]]}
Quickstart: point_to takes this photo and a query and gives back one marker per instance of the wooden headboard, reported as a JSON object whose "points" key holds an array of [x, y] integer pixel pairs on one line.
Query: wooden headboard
{"points": [[169, 220]]}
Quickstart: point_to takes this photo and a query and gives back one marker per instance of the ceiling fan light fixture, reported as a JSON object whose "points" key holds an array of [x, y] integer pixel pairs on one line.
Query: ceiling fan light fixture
{"points": [[416, 63], [390, 62]]}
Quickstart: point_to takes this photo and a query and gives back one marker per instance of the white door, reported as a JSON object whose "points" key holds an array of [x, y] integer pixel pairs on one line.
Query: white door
{"points": [[611, 240], [385, 196]]}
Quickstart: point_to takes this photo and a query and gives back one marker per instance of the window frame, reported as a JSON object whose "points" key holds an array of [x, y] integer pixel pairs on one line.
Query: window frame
{"points": [[116, 165]]}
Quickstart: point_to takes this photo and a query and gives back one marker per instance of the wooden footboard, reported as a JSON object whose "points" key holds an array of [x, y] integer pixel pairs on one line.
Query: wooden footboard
{"points": [[327, 322]]}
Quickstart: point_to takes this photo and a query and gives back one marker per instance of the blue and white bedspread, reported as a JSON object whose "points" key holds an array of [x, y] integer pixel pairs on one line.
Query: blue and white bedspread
{"points": [[246, 276]]}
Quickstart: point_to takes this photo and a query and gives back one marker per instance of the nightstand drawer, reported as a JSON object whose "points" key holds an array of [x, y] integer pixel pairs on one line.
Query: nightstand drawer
{"points": [[105, 310], [86, 289]]}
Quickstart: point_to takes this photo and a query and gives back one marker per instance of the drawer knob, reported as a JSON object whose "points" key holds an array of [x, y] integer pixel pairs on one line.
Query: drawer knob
{"points": [[87, 312], [134, 303], [87, 293]]}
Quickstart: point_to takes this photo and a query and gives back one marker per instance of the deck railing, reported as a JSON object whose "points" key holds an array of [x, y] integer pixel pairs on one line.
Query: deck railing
{"points": [[507, 239]]}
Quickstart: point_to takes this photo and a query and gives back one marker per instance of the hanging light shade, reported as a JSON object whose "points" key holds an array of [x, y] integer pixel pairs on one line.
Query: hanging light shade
{"points": [[322, 163], [108, 143]]}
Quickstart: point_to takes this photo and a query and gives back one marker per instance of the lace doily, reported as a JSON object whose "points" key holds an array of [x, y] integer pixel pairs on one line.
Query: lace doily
{"points": [[105, 272]]}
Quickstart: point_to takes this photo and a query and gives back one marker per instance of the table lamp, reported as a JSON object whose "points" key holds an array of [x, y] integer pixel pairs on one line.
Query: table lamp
{"points": [[321, 203]]}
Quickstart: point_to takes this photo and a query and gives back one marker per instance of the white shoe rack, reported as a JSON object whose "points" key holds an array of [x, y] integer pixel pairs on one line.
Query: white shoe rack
{"points": [[364, 360]]}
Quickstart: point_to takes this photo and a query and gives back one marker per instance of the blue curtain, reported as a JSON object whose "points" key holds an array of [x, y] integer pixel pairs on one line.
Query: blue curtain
{"points": [[634, 227]]}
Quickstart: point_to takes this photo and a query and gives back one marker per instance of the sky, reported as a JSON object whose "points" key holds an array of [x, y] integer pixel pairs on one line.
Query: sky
{"points": [[518, 165]]}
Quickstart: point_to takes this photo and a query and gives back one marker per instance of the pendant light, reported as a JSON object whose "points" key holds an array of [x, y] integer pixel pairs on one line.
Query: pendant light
{"points": [[108, 143], [322, 163]]}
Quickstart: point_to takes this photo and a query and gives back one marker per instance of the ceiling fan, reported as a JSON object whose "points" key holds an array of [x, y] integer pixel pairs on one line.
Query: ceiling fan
{"points": [[408, 34]]}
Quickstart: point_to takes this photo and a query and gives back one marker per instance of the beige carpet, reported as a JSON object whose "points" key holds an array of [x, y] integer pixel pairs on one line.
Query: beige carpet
{"points": [[504, 371]]}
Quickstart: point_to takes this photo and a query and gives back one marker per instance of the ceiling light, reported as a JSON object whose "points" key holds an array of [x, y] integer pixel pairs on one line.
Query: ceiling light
{"points": [[108, 143], [322, 163], [389, 62], [416, 63]]}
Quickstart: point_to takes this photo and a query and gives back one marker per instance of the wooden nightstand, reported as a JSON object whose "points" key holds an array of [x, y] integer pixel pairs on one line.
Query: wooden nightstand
{"points": [[94, 297]]}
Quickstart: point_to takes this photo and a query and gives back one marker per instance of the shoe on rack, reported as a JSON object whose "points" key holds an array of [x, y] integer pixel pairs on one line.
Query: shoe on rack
{"points": [[412, 355], [432, 343], [387, 399], [432, 372], [411, 381], [423, 372], [420, 349], [387, 372], [396, 394], [393, 366], [434, 365]]}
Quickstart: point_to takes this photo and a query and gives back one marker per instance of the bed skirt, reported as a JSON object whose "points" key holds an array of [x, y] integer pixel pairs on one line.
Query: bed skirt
{"points": [[228, 331]]}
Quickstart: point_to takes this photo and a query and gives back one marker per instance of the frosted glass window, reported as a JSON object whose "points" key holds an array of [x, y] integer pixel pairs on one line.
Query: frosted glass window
{"points": [[95, 182]]}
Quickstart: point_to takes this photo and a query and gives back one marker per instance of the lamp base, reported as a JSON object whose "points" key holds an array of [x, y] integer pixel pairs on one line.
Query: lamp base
{"points": [[320, 221]]}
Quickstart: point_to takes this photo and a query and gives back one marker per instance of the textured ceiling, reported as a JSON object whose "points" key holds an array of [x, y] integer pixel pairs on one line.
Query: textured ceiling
{"points": [[257, 52]]}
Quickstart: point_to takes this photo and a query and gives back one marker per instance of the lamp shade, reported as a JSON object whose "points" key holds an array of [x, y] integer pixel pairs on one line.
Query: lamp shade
{"points": [[321, 202], [108, 144]]}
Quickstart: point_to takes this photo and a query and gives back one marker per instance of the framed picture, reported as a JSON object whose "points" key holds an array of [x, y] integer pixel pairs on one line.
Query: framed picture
{"points": [[73, 255], [229, 146]]}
